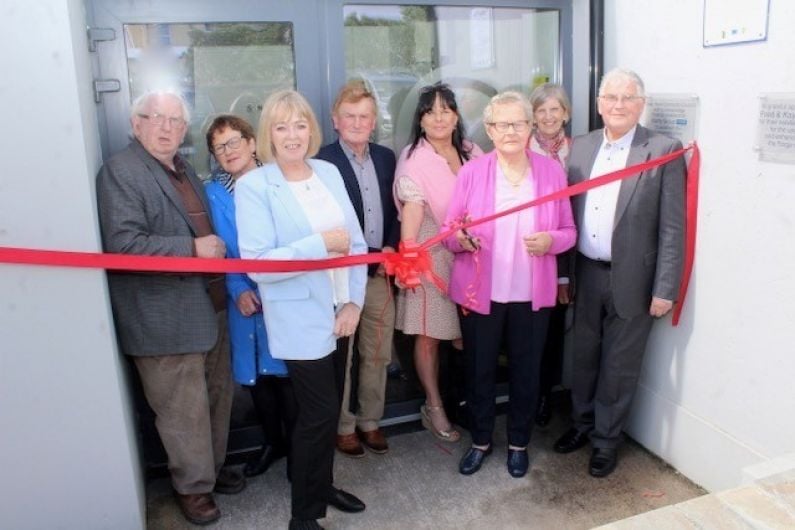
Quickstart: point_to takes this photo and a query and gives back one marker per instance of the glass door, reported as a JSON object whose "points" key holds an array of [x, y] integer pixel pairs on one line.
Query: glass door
{"points": [[228, 56]]}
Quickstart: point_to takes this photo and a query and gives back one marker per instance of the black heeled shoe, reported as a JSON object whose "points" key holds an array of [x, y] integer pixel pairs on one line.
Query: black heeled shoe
{"points": [[260, 464], [543, 414]]}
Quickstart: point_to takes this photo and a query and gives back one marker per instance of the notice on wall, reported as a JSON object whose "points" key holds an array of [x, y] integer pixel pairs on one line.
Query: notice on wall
{"points": [[735, 21], [775, 132], [673, 115]]}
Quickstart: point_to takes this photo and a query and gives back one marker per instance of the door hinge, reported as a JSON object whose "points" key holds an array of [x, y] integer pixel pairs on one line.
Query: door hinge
{"points": [[96, 35], [105, 85]]}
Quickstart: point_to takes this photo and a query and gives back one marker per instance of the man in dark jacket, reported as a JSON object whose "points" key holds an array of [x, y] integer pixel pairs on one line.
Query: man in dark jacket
{"points": [[368, 171]]}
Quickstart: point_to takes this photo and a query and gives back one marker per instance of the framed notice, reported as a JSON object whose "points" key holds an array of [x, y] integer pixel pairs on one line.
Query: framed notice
{"points": [[775, 130], [735, 21], [673, 115]]}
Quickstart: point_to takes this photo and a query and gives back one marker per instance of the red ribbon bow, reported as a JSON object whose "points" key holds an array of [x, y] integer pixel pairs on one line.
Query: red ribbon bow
{"points": [[410, 263]]}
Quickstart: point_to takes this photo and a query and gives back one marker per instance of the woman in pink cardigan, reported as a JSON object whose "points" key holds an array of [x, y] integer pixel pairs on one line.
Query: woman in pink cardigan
{"points": [[504, 276]]}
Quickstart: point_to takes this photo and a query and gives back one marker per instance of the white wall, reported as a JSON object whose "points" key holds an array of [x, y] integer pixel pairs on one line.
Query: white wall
{"points": [[69, 458], [717, 392]]}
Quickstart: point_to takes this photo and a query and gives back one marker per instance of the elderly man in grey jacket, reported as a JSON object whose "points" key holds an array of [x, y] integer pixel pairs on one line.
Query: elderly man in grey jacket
{"points": [[628, 265], [151, 203]]}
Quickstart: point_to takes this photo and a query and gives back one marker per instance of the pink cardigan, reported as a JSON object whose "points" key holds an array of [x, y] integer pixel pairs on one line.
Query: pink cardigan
{"points": [[474, 196]]}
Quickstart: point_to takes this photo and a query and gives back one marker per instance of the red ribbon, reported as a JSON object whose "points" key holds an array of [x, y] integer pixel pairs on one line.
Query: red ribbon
{"points": [[408, 265]]}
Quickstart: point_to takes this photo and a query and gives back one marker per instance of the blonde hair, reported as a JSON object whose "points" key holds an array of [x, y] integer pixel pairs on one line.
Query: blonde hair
{"points": [[280, 106]]}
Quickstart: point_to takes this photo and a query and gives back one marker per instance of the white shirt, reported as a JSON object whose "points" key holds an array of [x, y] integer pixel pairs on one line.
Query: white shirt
{"points": [[596, 230], [323, 213]]}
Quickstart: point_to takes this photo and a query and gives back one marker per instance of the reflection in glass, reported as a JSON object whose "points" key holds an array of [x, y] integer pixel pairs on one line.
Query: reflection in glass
{"points": [[217, 67], [479, 51]]}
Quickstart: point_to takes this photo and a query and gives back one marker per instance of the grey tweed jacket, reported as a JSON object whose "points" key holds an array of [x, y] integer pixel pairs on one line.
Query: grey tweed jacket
{"points": [[140, 212]]}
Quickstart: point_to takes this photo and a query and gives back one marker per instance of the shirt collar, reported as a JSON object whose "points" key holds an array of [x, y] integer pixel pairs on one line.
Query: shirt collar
{"points": [[350, 154], [624, 141]]}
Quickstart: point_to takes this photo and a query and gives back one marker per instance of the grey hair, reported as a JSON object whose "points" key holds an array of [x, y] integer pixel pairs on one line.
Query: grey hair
{"points": [[506, 98], [141, 101], [622, 74], [543, 93]]}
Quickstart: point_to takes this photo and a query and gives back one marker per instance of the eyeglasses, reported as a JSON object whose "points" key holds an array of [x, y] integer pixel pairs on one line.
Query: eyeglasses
{"points": [[612, 99], [232, 144], [503, 126], [160, 119]]}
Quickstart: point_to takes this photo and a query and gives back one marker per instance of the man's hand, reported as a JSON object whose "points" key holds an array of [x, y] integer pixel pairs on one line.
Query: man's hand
{"points": [[346, 320], [380, 271], [660, 306], [564, 293], [210, 246], [248, 303]]}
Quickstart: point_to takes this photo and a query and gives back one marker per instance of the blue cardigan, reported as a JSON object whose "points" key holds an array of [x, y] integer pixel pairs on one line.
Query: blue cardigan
{"points": [[249, 340]]}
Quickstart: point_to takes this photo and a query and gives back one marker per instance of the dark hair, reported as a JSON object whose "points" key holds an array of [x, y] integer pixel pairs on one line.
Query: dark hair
{"points": [[425, 103], [230, 121]]}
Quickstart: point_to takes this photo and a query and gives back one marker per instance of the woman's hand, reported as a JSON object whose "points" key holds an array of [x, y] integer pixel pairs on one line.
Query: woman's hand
{"points": [[538, 244], [346, 320], [248, 303], [337, 241], [465, 239]]}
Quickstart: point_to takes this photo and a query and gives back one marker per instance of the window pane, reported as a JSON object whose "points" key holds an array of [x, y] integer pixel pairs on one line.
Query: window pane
{"points": [[218, 68], [479, 51]]}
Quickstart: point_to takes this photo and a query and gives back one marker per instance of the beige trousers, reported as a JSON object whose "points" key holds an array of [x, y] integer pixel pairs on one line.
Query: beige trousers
{"points": [[376, 327], [191, 394]]}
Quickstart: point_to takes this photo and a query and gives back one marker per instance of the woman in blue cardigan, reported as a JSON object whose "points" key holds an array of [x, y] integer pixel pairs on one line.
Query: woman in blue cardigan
{"points": [[231, 140]]}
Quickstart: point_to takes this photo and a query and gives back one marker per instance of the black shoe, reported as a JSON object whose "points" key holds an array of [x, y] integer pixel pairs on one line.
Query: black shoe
{"points": [[518, 462], [344, 501], [472, 460], [571, 441], [260, 463], [229, 482], [304, 524], [543, 414], [603, 462]]}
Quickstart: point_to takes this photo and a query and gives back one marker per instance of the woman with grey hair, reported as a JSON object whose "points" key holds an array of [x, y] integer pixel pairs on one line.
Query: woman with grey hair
{"points": [[504, 275], [551, 112]]}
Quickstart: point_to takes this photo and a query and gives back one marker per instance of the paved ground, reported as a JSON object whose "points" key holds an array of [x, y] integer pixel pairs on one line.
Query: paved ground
{"points": [[417, 486]]}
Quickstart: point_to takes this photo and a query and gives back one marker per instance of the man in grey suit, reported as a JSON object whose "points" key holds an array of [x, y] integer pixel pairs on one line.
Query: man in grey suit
{"points": [[627, 267], [151, 203]]}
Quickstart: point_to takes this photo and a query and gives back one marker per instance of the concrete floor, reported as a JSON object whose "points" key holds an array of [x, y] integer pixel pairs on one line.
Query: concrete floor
{"points": [[417, 486]]}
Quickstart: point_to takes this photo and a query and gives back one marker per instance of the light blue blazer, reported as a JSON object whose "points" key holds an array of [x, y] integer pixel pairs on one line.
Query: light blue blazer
{"points": [[298, 306], [247, 335]]}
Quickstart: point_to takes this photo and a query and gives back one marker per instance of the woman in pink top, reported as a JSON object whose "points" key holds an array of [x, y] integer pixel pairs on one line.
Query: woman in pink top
{"points": [[424, 181], [504, 276]]}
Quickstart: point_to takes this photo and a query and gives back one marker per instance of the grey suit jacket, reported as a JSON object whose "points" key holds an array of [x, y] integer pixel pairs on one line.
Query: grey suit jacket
{"points": [[140, 212], [648, 229]]}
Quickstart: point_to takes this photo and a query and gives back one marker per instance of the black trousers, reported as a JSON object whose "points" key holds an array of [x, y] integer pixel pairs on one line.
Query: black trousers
{"points": [[552, 358], [276, 408], [523, 332], [317, 386]]}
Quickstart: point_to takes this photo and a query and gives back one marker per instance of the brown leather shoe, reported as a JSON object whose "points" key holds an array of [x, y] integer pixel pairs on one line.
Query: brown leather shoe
{"points": [[348, 444], [198, 508], [374, 440]]}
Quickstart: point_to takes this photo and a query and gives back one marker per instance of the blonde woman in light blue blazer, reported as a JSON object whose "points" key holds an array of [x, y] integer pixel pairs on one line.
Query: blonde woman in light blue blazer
{"points": [[294, 207]]}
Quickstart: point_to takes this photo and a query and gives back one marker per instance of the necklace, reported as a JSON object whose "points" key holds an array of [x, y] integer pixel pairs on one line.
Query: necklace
{"points": [[513, 177]]}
